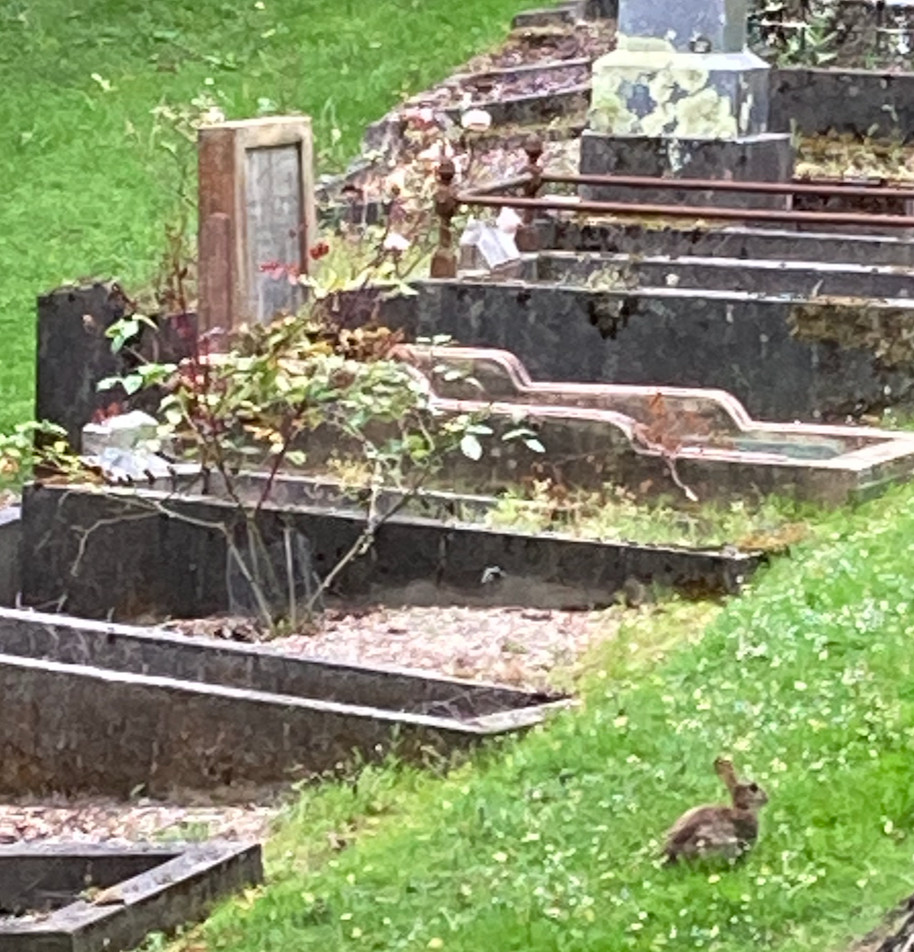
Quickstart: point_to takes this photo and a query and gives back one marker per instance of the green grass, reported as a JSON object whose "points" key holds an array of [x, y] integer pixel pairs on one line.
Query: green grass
{"points": [[83, 197], [550, 843]]}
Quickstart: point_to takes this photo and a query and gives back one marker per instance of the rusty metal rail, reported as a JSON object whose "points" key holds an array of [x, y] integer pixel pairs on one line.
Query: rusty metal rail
{"points": [[826, 188], [708, 212], [793, 187], [449, 199]]}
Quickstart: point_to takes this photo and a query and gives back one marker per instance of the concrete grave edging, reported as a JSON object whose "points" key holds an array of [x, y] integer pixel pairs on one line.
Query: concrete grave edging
{"points": [[179, 891], [129, 712]]}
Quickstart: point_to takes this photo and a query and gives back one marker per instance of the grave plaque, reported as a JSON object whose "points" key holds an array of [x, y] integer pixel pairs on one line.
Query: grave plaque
{"points": [[256, 209]]}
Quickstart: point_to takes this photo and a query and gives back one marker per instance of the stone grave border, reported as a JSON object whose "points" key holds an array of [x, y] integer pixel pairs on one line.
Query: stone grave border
{"points": [[168, 567], [180, 888], [139, 707]]}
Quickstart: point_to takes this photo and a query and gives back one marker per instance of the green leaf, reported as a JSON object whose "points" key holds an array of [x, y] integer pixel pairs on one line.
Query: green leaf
{"points": [[108, 383], [132, 383], [122, 331], [520, 433], [471, 447], [156, 372]]}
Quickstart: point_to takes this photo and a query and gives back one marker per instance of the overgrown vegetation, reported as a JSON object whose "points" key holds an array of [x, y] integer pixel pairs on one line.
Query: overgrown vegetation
{"points": [[551, 842], [822, 33], [251, 406], [768, 524], [79, 84], [845, 156]]}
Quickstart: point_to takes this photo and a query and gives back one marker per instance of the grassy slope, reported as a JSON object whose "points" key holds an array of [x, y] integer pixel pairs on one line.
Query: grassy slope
{"points": [[550, 843], [80, 197]]}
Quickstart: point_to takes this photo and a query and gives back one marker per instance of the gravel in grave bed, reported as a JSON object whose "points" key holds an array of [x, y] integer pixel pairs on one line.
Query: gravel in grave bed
{"points": [[521, 648], [479, 91], [106, 820], [526, 47], [524, 648], [494, 164], [489, 164]]}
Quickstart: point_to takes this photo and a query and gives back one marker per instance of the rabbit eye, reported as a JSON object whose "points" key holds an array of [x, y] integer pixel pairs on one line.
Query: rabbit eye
{"points": [[753, 787]]}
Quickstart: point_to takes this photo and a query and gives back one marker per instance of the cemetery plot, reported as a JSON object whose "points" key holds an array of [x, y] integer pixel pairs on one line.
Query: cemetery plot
{"points": [[142, 709], [91, 898], [634, 357], [136, 559]]}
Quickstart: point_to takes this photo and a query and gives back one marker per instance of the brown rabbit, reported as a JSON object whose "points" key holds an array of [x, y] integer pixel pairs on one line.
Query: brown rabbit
{"points": [[718, 830]]}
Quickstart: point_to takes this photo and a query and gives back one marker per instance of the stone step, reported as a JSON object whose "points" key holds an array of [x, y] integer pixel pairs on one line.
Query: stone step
{"points": [[752, 275], [635, 238]]}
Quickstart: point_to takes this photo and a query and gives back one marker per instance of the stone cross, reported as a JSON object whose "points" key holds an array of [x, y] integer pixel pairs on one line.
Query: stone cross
{"points": [[256, 208]]}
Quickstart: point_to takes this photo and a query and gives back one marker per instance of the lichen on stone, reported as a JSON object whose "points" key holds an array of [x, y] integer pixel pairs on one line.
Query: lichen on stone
{"points": [[858, 324], [661, 92]]}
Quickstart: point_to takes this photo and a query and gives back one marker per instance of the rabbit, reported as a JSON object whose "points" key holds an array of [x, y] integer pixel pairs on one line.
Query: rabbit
{"points": [[718, 830]]}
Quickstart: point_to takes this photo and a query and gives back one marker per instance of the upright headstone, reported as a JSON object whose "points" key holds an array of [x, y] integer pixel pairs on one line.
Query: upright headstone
{"points": [[74, 355], [682, 96], [256, 208]]}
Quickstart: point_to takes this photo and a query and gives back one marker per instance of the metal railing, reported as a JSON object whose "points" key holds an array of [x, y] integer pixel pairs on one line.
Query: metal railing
{"points": [[449, 199]]}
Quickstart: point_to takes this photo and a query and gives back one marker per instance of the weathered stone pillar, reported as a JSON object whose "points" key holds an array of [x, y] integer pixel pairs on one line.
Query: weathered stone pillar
{"points": [[256, 210], [682, 96]]}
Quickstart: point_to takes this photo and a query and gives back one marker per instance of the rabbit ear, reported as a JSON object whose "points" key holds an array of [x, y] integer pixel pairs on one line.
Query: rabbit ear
{"points": [[725, 770]]}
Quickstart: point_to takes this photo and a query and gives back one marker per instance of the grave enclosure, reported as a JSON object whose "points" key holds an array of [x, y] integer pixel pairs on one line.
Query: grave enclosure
{"points": [[680, 265]]}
